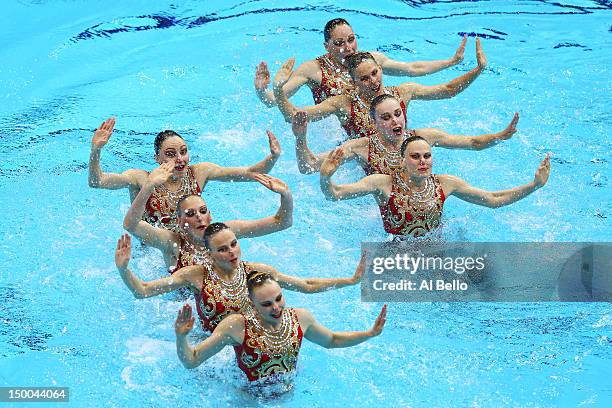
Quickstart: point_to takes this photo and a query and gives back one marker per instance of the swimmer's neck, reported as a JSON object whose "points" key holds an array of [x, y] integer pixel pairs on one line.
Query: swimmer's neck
{"points": [[269, 325], [391, 141], [413, 180], [226, 273]]}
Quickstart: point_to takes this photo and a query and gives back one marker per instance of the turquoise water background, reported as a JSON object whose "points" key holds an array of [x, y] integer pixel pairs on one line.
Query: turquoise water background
{"points": [[66, 319]]}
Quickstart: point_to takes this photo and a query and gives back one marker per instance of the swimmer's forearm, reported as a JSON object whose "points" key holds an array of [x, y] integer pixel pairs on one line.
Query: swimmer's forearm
{"points": [[419, 68], [315, 285], [507, 197], [95, 172], [263, 166], [284, 215], [137, 209], [185, 352], [348, 339], [284, 105], [460, 83], [266, 96], [134, 284]]}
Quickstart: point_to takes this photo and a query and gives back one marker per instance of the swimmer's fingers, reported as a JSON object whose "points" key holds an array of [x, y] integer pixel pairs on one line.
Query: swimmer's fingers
{"points": [[184, 320], [360, 268], [543, 172], [379, 324], [458, 57], [271, 183], [275, 147], [161, 174], [481, 58], [283, 74], [123, 251], [262, 76], [511, 128], [299, 123], [103, 133]]}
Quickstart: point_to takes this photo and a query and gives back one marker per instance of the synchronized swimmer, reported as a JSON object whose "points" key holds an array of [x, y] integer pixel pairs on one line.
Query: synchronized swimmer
{"points": [[241, 303]]}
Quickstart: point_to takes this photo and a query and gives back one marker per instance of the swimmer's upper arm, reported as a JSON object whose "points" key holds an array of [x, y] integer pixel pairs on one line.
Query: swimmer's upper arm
{"points": [[313, 330]]}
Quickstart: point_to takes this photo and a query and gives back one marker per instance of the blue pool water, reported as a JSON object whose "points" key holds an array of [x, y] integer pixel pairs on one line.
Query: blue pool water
{"points": [[66, 319]]}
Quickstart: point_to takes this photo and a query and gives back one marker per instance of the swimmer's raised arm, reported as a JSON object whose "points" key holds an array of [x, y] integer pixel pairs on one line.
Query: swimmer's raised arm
{"points": [[112, 181], [184, 277], [494, 199], [376, 184], [209, 171], [411, 90], [338, 105], [311, 285], [308, 162], [324, 337], [222, 336], [418, 68], [283, 218], [301, 76], [437, 137], [160, 238]]}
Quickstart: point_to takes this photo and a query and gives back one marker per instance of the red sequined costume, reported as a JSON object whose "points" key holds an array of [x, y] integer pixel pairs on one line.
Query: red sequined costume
{"points": [[219, 298], [381, 159], [360, 123], [160, 210], [410, 212], [334, 80], [189, 254], [267, 352]]}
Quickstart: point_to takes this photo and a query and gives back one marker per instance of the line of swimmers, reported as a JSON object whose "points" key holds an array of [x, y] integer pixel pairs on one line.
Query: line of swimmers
{"points": [[241, 303]]}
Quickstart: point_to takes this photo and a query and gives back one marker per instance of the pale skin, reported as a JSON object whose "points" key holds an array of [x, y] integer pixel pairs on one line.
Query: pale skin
{"points": [[416, 168], [194, 216], [368, 80], [390, 124], [225, 253], [342, 43], [269, 304], [172, 149]]}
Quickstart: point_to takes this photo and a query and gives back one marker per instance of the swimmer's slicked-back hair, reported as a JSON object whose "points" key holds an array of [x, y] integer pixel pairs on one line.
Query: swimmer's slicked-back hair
{"points": [[179, 204], [162, 136], [353, 61], [331, 24], [256, 279], [211, 230], [409, 140], [377, 101]]}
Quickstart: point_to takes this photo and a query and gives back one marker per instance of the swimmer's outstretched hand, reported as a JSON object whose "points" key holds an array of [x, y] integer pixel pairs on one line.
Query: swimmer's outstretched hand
{"points": [[283, 74], [160, 175], [379, 324], [262, 76], [481, 58], [299, 123], [360, 268], [275, 148], [103, 134], [511, 129], [123, 251], [331, 164], [184, 321], [271, 183], [541, 176], [458, 57]]}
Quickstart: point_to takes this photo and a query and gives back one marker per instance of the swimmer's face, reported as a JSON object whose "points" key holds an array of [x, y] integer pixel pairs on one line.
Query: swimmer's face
{"points": [[225, 249], [194, 216], [269, 301], [342, 42], [174, 149], [417, 159], [368, 77], [389, 119]]}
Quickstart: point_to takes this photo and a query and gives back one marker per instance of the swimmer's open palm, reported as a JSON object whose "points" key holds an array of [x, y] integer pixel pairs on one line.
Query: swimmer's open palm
{"points": [[123, 252], [331, 164], [275, 147], [262, 76], [161, 174], [271, 183], [299, 123], [541, 176], [481, 58], [379, 324], [360, 268], [184, 321], [511, 129], [283, 74], [103, 133], [458, 57]]}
